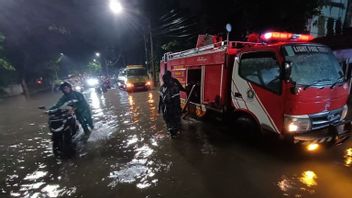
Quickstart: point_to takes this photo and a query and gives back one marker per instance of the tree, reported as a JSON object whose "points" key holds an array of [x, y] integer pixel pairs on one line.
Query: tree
{"points": [[31, 41], [4, 64], [94, 67], [7, 71]]}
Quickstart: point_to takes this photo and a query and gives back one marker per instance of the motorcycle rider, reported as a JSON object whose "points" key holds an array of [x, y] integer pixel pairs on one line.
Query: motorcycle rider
{"points": [[82, 110]]}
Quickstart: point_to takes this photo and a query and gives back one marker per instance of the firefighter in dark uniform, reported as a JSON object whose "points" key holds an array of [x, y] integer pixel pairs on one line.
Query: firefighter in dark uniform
{"points": [[82, 110], [169, 103]]}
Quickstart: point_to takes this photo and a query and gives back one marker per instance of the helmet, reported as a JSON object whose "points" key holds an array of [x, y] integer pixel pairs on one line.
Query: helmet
{"points": [[65, 84]]}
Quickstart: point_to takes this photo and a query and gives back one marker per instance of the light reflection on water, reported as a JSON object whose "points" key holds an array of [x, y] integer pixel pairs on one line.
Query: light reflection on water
{"points": [[29, 174], [152, 108], [26, 182], [142, 168], [309, 178], [130, 100], [348, 157], [36, 175], [103, 115], [95, 102], [297, 186]]}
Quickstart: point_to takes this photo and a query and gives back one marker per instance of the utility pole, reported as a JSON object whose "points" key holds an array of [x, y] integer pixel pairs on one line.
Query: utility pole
{"points": [[152, 52], [146, 53]]}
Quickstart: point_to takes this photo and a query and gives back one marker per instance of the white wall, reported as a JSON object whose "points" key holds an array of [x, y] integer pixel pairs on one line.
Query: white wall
{"points": [[328, 11], [13, 90]]}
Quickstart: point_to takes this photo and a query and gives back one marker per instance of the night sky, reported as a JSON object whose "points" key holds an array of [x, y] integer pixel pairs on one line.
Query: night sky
{"points": [[78, 28], [38, 30]]}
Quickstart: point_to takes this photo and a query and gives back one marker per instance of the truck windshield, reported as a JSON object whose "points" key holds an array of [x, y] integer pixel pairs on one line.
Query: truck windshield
{"points": [[136, 72], [313, 65]]}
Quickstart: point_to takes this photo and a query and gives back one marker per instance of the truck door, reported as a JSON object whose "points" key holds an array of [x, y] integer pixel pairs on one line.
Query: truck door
{"points": [[257, 88]]}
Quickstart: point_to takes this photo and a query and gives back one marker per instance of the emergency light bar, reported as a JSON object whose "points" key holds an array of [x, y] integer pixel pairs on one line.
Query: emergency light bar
{"points": [[284, 36]]}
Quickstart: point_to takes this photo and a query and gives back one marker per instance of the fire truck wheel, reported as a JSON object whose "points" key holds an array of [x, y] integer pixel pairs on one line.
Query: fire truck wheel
{"points": [[247, 127]]}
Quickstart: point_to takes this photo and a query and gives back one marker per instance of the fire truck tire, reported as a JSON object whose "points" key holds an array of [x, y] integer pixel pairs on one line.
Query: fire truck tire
{"points": [[247, 126]]}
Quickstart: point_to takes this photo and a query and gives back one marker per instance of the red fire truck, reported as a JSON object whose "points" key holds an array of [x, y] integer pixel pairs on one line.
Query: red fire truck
{"points": [[278, 82]]}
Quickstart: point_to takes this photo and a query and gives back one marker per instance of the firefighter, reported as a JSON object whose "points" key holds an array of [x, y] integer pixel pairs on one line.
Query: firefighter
{"points": [[169, 103], [82, 110]]}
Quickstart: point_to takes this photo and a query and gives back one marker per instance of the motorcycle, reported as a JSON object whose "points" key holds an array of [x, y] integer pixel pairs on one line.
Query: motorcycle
{"points": [[64, 129], [105, 86]]}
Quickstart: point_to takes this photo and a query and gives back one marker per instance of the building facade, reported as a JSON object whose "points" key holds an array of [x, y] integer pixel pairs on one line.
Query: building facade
{"points": [[334, 17]]}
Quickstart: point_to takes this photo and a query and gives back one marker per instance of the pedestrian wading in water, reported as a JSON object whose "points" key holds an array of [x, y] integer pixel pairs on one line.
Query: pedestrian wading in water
{"points": [[169, 103]]}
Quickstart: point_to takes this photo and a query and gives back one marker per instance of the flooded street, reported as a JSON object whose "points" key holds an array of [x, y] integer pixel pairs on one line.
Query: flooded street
{"points": [[130, 154]]}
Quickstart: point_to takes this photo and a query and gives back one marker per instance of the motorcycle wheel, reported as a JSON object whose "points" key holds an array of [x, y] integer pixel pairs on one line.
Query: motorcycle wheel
{"points": [[57, 144], [69, 146]]}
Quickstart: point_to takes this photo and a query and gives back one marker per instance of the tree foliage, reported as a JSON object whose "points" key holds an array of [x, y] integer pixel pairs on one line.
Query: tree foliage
{"points": [[4, 64], [94, 67]]}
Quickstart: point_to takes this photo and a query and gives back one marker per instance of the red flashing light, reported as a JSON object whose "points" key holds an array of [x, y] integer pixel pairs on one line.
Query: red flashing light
{"points": [[306, 37], [283, 36]]}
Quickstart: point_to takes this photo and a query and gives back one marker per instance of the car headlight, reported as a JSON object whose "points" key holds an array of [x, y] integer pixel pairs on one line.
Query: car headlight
{"points": [[129, 85], [294, 124], [344, 112], [148, 83]]}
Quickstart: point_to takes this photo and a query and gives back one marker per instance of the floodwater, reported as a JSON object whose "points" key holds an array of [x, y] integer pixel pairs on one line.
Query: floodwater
{"points": [[130, 154]]}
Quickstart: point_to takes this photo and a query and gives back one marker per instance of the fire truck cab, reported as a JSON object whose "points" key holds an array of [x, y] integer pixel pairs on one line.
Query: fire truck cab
{"points": [[280, 83]]}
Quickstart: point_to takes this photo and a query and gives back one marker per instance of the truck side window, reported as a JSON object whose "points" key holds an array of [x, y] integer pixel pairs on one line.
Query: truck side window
{"points": [[261, 68]]}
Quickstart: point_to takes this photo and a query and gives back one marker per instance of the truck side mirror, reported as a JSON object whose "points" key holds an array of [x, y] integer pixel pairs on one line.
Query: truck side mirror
{"points": [[287, 70]]}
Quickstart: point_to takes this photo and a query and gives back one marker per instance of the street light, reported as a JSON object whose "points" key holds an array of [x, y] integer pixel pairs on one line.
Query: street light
{"points": [[97, 54], [94, 60], [115, 6]]}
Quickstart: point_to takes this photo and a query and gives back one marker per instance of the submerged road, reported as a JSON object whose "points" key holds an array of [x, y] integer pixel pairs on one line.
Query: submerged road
{"points": [[130, 154]]}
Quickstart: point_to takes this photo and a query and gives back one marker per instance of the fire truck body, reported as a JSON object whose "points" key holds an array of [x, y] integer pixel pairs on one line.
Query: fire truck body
{"points": [[291, 88]]}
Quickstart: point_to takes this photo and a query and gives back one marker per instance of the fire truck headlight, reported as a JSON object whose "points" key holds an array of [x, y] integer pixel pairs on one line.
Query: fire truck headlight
{"points": [[312, 147], [344, 112], [297, 124]]}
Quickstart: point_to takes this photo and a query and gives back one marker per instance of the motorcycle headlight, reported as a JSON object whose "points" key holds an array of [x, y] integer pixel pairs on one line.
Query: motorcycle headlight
{"points": [[297, 124], [78, 88], [344, 112], [92, 81]]}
